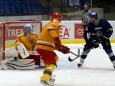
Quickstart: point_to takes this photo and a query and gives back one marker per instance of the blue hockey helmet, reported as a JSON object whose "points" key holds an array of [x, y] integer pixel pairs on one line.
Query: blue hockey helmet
{"points": [[28, 27], [93, 15]]}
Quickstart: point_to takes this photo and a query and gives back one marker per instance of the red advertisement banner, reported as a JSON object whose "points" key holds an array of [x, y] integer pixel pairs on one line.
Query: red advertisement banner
{"points": [[12, 32], [78, 31]]}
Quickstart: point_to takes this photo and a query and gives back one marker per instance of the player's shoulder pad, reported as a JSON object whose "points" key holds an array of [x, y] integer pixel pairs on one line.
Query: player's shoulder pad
{"points": [[20, 35], [102, 20], [52, 26], [90, 25], [33, 33]]}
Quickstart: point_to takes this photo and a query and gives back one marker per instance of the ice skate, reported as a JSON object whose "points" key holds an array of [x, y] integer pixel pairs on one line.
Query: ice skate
{"points": [[80, 63], [51, 82], [44, 83], [113, 64]]}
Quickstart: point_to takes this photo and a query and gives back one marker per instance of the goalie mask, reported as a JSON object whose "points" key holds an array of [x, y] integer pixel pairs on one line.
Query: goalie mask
{"points": [[27, 29]]}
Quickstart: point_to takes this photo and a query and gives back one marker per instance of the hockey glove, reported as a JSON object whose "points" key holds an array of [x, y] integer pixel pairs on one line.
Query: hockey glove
{"points": [[95, 44], [64, 49]]}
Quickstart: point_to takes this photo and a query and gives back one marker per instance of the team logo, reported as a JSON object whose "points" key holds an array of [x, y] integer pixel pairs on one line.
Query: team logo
{"points": [[31, 41], [93, 13]]}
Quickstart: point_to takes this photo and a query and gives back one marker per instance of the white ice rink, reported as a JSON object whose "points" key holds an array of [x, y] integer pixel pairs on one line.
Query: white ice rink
{"points": [[97, 70]]}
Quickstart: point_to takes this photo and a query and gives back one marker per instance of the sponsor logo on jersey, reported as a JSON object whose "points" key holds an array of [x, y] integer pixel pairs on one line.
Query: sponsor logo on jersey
{"points": [[97, 28]]}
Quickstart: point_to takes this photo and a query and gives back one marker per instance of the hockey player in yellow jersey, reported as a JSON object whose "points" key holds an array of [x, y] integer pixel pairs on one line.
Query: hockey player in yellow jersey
{"points": [[28, 39], [47, 42]]}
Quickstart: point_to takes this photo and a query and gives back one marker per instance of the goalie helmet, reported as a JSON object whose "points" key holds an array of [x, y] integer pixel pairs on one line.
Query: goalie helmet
{"points": [[93, 15], [28, 27], [56, 16]]}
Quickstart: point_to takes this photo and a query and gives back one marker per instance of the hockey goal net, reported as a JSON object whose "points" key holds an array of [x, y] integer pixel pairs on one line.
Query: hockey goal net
{"points": [[8, 34]]}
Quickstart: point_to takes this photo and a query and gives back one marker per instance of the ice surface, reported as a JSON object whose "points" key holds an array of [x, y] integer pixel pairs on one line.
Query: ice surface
{"points": [[97, 70]]}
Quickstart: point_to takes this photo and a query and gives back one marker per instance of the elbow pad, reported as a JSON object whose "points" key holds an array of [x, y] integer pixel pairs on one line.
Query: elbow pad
{"points": [[57, 42], [109, 33]]}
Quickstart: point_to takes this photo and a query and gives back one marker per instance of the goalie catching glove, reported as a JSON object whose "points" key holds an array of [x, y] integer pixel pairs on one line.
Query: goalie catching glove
{"points": [[61, 48]]}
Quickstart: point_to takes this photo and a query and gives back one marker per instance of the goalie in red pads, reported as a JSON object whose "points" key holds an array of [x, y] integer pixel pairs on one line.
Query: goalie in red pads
{"points": [[47, 42]]}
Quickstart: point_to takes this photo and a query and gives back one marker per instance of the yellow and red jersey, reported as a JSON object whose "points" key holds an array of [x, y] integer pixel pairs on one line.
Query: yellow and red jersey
{"points": [[47, 35], [28, 41]]}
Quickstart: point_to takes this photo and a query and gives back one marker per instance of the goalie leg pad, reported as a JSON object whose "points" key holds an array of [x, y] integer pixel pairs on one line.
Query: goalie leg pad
{"points": [[21, 64], [37, 58]]}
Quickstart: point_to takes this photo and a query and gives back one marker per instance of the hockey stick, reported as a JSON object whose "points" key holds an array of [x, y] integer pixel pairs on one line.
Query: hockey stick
{"points": [[99, 34], [105, 37], [77, 55]]}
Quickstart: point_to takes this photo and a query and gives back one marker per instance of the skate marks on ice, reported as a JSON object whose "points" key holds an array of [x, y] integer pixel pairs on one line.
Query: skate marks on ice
{"points": [[81, 85], [96, 71], [85, 77], [65, 64]]}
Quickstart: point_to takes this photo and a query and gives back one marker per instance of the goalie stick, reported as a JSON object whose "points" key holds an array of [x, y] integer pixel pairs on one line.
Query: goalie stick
{"points": [[30, 52]]}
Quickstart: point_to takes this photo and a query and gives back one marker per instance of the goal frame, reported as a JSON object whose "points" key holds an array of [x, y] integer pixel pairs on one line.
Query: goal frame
{"points": [[4, 32]]}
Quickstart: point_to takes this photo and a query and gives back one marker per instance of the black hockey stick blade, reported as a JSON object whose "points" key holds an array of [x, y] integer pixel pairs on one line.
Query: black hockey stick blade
{"points": [[77, 55]]}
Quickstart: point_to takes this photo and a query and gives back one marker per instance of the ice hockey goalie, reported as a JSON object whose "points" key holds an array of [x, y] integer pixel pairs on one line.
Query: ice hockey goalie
{"points": [[27, 57]]}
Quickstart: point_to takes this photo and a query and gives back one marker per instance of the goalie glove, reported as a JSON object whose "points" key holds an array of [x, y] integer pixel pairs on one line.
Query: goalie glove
{"points": [[64, 49]]}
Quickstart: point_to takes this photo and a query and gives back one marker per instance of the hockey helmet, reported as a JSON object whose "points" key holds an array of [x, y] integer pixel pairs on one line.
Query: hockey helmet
{"points": [[28, 27], [86, 5], [93, 15], [56, 16]]}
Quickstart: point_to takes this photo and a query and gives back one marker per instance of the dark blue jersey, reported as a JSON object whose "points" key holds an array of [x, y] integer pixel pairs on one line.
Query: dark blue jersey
{"points": [[103, 26]]}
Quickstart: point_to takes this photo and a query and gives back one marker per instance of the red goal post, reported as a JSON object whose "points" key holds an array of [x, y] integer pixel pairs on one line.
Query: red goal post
{"points": [[8, 33]]}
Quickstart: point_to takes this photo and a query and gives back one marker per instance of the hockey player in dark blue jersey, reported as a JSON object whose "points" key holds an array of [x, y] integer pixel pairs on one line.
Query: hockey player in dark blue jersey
{"points": [[100, 31]]}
